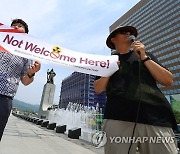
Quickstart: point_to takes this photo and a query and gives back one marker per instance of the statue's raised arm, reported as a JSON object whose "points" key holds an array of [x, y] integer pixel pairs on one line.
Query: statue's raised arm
{"points": [[50, 75]]}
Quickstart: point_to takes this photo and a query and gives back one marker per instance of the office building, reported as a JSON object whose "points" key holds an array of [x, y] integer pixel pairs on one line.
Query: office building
{"points": [[158, 25], [78, 88]]}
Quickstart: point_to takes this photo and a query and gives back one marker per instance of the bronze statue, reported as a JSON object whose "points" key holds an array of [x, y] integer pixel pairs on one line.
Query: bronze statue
{"points": [[50, 75]]}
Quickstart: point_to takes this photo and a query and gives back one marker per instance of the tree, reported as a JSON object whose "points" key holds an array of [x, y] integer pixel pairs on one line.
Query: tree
{"points": [[177, 116]]}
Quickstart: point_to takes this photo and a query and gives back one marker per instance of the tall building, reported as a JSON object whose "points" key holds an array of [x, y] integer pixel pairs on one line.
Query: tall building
{"points": [[158, 25], [78, 88]]}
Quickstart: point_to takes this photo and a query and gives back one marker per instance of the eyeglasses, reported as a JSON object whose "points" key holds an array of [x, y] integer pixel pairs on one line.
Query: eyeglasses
{"points": [[125, 32]]}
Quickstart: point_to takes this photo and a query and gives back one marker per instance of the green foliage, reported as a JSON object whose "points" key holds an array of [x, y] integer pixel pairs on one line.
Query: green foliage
{"points": [[177, 116], [176, 105], [25, 107], [175, 102]]}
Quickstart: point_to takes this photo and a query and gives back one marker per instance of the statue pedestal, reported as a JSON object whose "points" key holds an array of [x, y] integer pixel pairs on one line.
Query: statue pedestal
{"points": [[46, 100]]}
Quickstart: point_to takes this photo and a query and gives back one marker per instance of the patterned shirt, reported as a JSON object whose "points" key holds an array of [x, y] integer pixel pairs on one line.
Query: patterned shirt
{"points": [[11, 69]]}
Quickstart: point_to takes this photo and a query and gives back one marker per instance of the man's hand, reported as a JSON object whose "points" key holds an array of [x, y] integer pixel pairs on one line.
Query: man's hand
{"points": [[139, 49], [101, 84], [27, 79], [160, 74], [34, 68]]}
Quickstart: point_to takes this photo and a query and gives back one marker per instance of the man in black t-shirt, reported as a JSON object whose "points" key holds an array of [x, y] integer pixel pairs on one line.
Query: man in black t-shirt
{"points": [[135, 106]]}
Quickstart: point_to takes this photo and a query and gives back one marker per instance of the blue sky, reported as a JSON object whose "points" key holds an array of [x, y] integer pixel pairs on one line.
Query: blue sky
{"points": [[81, 25]]}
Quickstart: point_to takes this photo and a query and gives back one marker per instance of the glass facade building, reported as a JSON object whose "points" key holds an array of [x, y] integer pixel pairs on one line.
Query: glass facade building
{"points": [[78, 88], [158, 25]]}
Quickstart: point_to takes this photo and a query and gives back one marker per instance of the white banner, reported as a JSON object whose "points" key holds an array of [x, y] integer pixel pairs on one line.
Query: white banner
{"points": [[23, 45]]}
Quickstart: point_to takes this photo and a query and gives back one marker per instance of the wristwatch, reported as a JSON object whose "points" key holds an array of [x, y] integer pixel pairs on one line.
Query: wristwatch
{"points": [[30, 76], [146, 59]]}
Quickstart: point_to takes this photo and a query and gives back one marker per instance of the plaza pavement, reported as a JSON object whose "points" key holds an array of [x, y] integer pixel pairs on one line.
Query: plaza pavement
{"points": [[23, 137]]}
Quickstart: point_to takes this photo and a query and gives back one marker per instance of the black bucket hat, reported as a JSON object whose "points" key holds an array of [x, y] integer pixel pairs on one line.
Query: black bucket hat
{"points": [[131, 29]]}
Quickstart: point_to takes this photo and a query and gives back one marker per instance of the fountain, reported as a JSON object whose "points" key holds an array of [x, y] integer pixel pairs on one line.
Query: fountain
{"points": [[89, 119]]}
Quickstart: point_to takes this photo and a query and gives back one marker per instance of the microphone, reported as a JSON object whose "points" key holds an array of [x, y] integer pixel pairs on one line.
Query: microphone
{"points": [[132, 39]]}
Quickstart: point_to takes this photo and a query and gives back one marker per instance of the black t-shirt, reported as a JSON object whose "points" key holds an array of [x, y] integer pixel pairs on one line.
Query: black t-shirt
{"points": [[126, 88]]}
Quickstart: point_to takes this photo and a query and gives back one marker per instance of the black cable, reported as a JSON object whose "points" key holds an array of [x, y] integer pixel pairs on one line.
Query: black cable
{"points": [[139, 103]]}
